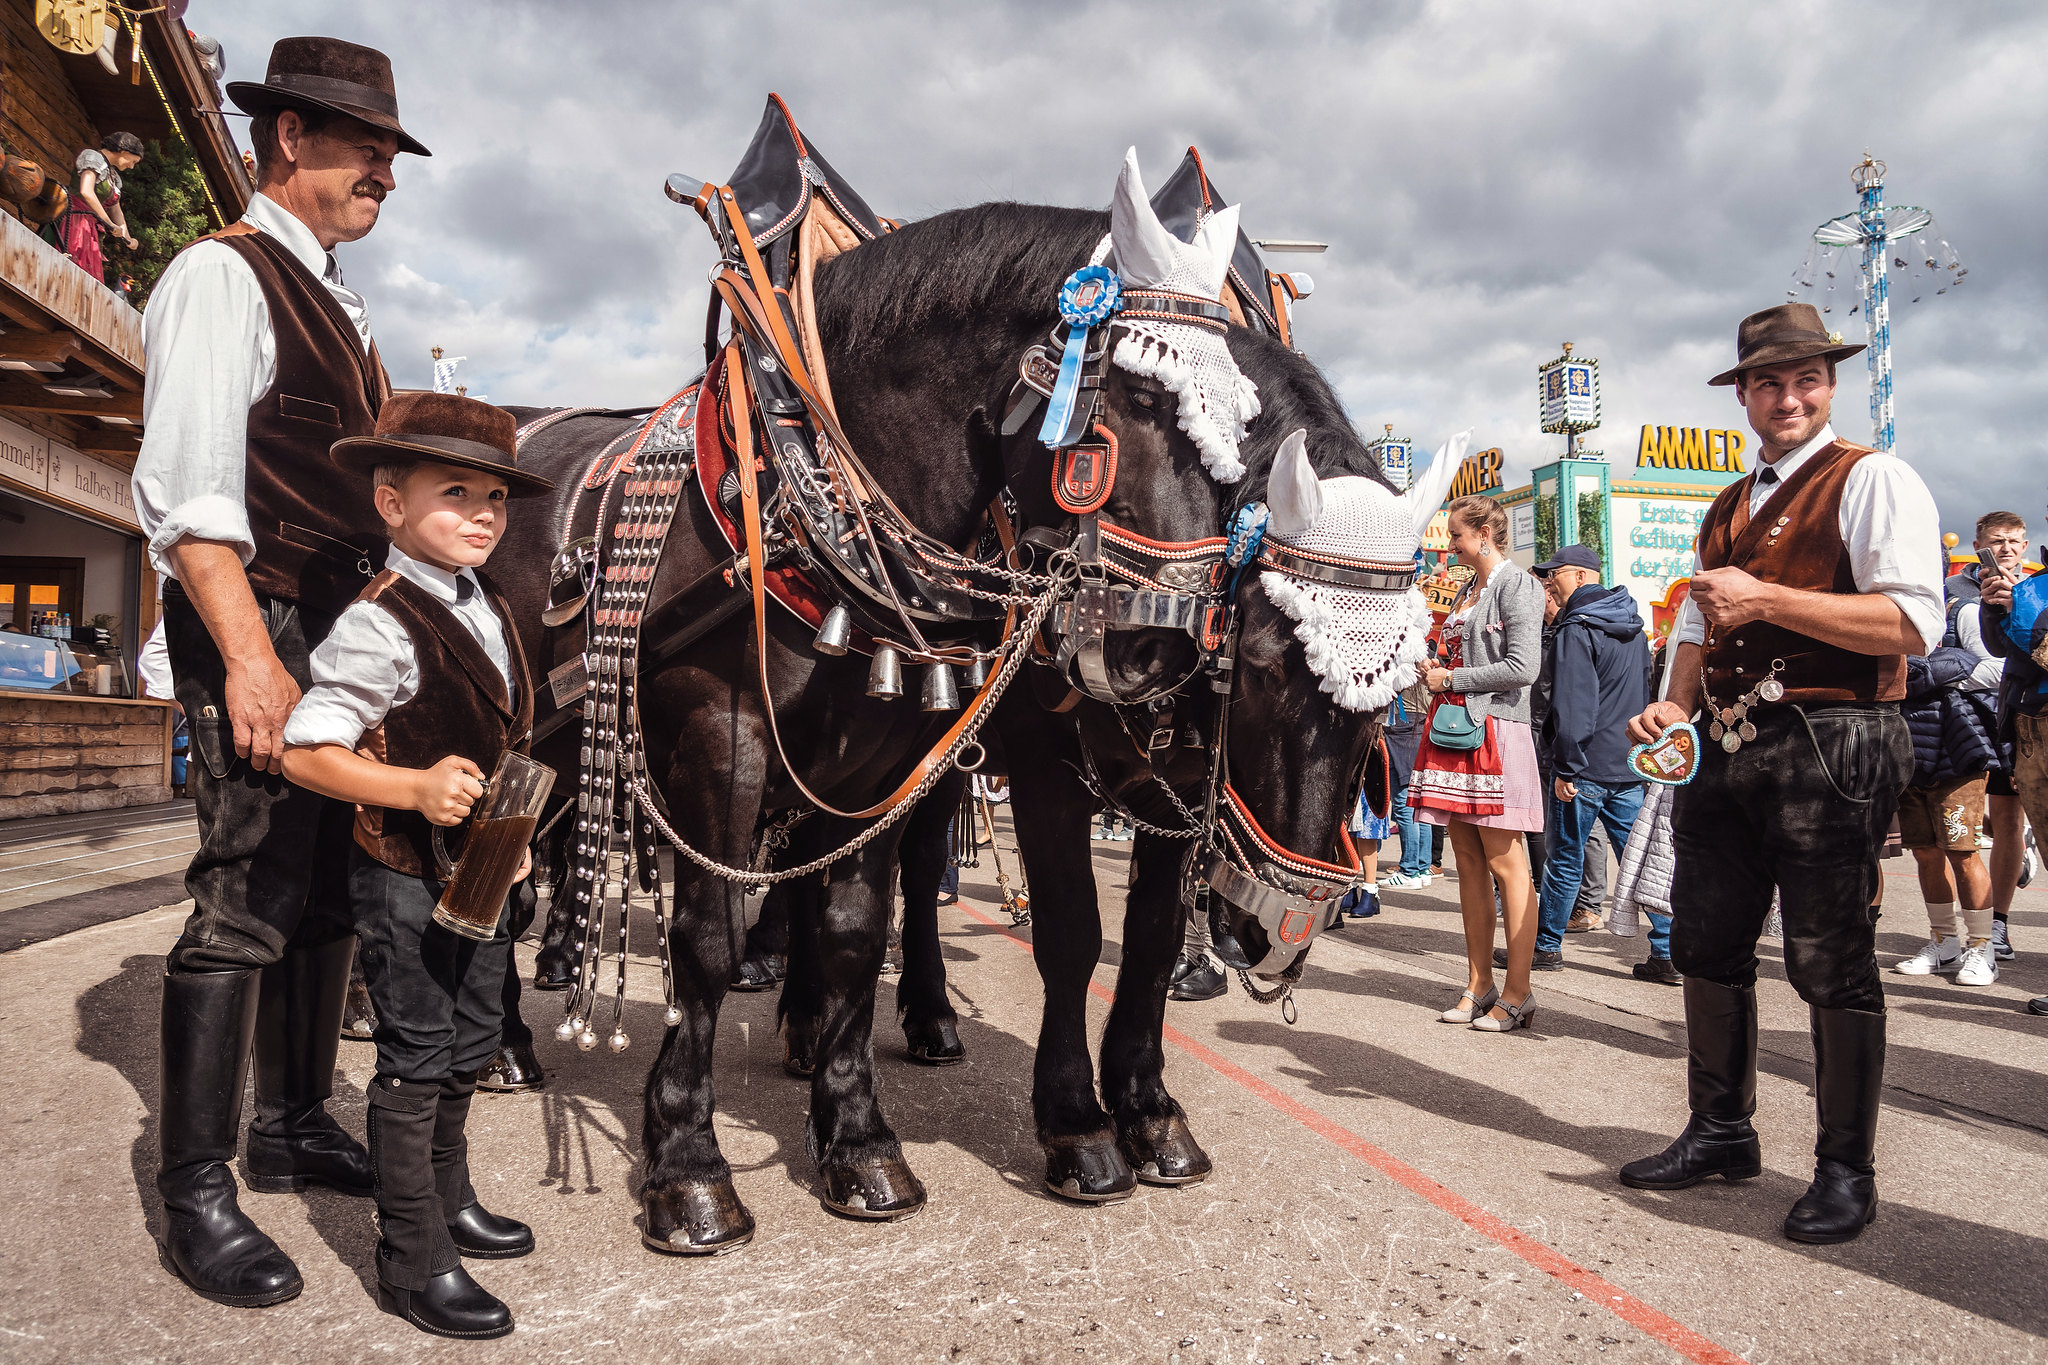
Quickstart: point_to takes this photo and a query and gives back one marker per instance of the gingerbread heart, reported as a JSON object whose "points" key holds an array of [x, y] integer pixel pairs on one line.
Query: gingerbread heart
{"points": [[1672, 759]]}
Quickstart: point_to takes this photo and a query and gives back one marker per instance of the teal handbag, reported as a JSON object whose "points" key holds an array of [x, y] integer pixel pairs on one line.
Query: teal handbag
{"points": [[1451, 727]]}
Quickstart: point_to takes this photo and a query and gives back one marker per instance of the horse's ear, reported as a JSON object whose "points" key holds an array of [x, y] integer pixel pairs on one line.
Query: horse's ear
{"points": [[1216, 240], [1428, 493], [1144, 248], [1293, 492]]}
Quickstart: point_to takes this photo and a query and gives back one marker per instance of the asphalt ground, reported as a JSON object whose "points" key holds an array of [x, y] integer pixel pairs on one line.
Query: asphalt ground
{"points": [[1387, 1188]]}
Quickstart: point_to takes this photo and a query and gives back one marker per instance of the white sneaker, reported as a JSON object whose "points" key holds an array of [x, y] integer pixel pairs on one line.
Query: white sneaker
{"points": [[1937, 955], [1979, 965], [1401, 881], [2001, 941]]}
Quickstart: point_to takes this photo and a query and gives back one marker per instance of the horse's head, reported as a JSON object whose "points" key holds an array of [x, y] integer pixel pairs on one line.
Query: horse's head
{"points": [[1330, 628]]}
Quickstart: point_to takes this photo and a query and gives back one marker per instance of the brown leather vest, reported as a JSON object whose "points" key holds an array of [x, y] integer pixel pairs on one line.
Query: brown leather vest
{"points": [[1795, 539], [460, 708], [318, 536]]}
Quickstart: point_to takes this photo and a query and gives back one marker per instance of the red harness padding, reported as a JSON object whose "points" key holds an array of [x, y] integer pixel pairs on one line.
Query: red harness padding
{"points": [[1084, 474]]}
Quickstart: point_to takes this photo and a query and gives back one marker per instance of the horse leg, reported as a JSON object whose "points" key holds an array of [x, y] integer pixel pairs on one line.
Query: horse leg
{"points": [[554, 966], [767, 957], [1152, 1129], [930, 1028], [1053, 810], [859, 1159], [798, 904]]}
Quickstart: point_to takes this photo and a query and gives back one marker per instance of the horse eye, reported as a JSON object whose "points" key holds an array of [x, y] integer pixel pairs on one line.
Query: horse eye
{"points": [[1142, 398]]}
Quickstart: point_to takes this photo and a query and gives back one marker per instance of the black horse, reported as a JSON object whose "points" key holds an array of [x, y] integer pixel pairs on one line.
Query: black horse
{"points": [[922, 331]]}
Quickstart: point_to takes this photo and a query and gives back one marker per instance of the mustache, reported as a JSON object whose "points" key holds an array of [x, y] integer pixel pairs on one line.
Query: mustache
{"points": [[368, 189]]}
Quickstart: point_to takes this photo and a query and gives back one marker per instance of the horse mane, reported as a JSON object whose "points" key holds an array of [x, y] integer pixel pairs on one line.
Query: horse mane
{"points": [[1293, 393]]}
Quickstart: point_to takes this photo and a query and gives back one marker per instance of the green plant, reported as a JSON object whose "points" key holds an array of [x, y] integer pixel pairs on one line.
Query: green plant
{"points": [[1546, 525], [1592, 532], [164, 200]]}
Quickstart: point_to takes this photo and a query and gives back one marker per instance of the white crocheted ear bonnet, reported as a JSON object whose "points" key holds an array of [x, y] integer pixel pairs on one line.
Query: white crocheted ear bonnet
{"points": [[1364, 644], [1193, 362]]}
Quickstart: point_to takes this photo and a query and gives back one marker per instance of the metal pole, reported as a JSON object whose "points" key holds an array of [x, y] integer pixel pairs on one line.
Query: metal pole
{"points": [[1877, 311]]}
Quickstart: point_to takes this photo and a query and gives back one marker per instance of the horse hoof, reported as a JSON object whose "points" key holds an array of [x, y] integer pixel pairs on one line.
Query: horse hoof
{"points": [[511, 1071], [880, 1188], [798, 1051], [934, 1042], [1088, 1169], [1161, 1151], [759, 973], [696, 1218], [358, 1016], [553, 968]]}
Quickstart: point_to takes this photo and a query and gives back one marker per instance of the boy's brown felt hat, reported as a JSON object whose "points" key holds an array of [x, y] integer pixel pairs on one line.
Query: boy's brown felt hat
{"points": [[442, 428]]}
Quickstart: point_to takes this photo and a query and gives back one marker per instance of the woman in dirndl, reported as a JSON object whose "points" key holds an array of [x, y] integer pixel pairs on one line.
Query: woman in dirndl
{"points": [[96, 202], [1487, 796]]}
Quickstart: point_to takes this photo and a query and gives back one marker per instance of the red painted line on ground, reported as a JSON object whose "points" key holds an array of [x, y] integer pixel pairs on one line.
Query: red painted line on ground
{"points": [[1548, 1259]]}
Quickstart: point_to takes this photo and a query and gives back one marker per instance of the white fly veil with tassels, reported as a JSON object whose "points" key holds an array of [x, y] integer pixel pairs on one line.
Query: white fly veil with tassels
{"points": [[1362, 643]]}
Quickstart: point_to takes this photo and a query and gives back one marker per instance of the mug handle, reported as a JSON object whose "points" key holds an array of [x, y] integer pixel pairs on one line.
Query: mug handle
{"points": [[444, 868]]}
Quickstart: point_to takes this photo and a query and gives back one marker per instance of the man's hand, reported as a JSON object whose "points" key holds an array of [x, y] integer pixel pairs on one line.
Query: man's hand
{"points": [[260, 698], [1566, 791], [1997, 589], [448, 791], [1730, 597], [1655, 719], [525, 865]]}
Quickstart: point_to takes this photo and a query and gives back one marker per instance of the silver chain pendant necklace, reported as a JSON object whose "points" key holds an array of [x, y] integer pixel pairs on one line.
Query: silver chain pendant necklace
{"points": [[1731, 724]]}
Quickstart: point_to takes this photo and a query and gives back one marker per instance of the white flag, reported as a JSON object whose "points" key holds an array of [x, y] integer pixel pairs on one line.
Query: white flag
{"points": [[444, 373]]}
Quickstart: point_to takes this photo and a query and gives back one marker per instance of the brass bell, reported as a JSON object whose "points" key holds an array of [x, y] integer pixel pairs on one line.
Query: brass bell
{"points": [[885, 675], [977, 675], [834, 633], [941, 693]]}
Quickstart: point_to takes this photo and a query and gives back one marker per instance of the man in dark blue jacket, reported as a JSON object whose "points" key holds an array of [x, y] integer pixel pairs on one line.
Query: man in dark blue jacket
{"points": [[1600, 662]]}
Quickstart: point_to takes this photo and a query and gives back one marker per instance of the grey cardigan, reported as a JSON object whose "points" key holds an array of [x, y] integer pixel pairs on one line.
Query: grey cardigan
{"points": [[1503, 645]]}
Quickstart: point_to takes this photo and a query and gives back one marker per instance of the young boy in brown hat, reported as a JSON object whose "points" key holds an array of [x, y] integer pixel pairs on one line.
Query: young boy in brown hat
{"points": [[416, 694]]}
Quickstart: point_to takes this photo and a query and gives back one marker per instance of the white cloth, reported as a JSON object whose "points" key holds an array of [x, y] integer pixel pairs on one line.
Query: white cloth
{"points": [[1990, 669], [153, 669], [1892, 529], [367, 665], [212, 355]]}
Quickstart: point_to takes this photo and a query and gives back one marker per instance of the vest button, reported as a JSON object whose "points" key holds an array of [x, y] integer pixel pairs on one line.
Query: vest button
{"points": [[1738, 644], [1738, 668]]}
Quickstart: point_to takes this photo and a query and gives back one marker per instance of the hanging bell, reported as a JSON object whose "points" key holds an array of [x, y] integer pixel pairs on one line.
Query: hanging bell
{"points": [[941, 693], [834, 633], [977, 675], [885, 675]]}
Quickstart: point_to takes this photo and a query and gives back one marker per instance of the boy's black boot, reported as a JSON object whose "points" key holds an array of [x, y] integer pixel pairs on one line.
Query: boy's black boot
{"points": [[1720, 1026], [208, 1242], [294, 1142], [475, 1230], [419, 1272]]}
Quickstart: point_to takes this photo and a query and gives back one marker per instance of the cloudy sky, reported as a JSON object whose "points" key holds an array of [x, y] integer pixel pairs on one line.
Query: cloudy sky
{"points": [[1493, 177]]}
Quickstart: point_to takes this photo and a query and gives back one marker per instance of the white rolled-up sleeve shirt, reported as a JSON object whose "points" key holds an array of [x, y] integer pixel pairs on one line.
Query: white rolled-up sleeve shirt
{"points": [[1891, 528], [368, 665], [210, 354]]}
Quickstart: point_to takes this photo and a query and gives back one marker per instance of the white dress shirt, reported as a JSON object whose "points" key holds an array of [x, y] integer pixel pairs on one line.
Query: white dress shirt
{"points": [[1890, 525], [211, 355], [153, 665], [1990, 669], [367, 665]]}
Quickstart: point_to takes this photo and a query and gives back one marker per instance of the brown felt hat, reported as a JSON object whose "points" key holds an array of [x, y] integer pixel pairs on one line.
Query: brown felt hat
{"points": [[1781, 335], [442, 428], [327, 73]]}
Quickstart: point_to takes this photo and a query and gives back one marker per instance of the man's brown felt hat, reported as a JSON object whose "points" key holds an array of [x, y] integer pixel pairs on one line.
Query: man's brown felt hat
{"points": [[442, 428], [1781, 335], [327, 73]]}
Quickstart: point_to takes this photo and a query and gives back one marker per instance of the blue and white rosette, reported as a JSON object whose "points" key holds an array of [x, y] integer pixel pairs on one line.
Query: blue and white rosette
{"points": [[1090, 296]]}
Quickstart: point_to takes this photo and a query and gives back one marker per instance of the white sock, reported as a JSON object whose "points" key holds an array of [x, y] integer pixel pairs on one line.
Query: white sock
{"points": [[1941, 918]]}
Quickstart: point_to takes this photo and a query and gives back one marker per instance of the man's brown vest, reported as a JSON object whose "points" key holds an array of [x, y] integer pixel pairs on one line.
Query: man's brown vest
{"points": [[460, 708], [1795, 540], [318, 536]]}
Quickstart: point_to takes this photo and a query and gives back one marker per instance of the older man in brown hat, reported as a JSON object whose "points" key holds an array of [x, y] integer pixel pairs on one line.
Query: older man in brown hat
{"points": [[260, 359], [1816, 576]]}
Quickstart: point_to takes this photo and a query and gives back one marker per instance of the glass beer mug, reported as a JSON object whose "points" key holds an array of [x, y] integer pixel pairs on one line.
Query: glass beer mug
{"points": [[500, 828]]}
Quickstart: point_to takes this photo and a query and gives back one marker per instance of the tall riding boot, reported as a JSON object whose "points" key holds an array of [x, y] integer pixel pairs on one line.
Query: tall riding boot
{"points": [[294, 1142], [1720, 1026], [208, 1242], [419, 1272], [476, 1231], [1848, 1082]]}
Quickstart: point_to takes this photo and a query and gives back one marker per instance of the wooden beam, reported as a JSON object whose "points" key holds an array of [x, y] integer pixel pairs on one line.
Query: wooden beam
{"points": [[107, 441], [29, 398], [21, 345]]}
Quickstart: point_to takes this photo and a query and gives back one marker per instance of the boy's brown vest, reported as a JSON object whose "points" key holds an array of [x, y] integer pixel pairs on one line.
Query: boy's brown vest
{"points": [[1795, 540], [318, 536], [460, 708]]}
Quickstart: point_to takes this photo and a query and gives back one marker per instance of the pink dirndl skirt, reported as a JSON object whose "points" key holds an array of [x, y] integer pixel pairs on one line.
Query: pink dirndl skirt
{"points": [[1521, 793]]}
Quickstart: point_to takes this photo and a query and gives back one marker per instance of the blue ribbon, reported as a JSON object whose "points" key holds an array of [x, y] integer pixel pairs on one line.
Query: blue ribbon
{"points": [[1090, 296], [1247, 533]]}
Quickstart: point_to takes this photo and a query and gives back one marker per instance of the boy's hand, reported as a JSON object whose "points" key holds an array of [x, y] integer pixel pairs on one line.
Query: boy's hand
{"points": [[525, 865], [446, 792]]}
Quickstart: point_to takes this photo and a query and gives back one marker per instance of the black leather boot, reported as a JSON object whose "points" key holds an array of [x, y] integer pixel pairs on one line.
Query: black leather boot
{"points": [[1848, 1082], [294, 1142], [1720, 1026], [419, 1272], [475, 1230], [208, 1242]]}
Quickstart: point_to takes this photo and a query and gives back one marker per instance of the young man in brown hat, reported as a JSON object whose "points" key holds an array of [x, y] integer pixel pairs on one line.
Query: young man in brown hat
{"points": [[1816, 576], [259, 359], [416, 693]]}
